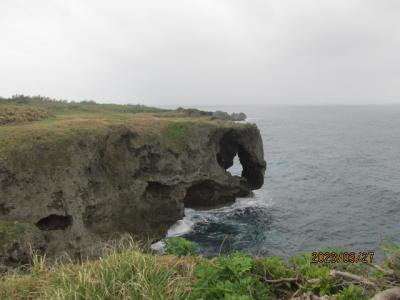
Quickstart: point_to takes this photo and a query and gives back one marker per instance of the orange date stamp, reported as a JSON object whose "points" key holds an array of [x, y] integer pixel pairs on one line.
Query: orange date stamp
{"points": [[321, 257]]}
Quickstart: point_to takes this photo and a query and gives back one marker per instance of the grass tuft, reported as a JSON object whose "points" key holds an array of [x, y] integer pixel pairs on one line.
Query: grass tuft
{"points": [[18, 114], [127, 271], [177, 131]]}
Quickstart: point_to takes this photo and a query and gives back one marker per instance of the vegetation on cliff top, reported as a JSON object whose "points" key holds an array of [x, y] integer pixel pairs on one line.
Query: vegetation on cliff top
{"points": [[129, 272], [15, 113], [28, 121], [57, 107], [30, 124]]}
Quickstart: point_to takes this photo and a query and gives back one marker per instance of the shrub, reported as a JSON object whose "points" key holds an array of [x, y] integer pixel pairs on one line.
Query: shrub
{"points": [[179, 246], [351, 293], [392, 255], [228, 277], [274, 268], [306, 271], [124, 271]]}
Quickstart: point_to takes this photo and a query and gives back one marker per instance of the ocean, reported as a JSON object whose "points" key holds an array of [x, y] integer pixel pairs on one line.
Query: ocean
{"points": [[332, 181]]}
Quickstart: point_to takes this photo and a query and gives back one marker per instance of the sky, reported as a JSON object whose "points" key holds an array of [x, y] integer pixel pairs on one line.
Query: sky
{"points": [[202, 52]]}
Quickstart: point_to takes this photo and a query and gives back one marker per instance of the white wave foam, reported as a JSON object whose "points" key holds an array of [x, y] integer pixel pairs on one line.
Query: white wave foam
{"points": [[192, 217], [180, 228], [159, 246]]}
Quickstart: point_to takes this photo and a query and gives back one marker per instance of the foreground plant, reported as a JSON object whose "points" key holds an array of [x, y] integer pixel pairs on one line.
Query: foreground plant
{"points": [[126, 271], [228, 277], [179, 246]]}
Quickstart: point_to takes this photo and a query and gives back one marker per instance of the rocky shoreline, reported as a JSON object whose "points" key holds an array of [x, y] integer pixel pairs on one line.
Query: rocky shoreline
{"points": [[120, 180]]}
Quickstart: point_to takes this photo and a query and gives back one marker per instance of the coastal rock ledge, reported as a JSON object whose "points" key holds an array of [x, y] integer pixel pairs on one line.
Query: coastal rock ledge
{"points": [[120, 180]]}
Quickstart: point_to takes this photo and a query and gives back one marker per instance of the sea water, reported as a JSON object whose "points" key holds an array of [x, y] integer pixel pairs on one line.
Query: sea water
{"points": [[333, 181]]}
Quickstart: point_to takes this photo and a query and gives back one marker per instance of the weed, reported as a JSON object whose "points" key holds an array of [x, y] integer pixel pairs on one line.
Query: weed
{"points": [[228, 277], [274, 268], [392, 255], [351, 293], [307, 271], [124, 271], [179, 246]]}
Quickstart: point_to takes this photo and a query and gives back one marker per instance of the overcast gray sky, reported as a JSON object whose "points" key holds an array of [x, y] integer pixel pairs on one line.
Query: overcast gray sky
{"points": [[209, 52]]}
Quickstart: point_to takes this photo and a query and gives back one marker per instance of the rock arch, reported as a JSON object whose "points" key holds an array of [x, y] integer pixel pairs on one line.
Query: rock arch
{"points": [[248, 146]]}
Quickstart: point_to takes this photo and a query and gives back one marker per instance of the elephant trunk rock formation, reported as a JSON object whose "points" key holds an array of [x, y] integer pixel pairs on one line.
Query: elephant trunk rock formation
{"points": [[119, 181]]}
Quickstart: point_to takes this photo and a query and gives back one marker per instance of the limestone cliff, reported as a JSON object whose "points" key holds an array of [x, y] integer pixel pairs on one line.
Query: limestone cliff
{"points": [[124, 180]]}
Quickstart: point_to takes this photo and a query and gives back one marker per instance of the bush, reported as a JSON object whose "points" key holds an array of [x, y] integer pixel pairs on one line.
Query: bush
{"points": [[228, 277], [274, 268], [124, 271], [392, 255], [179, 246], [307, 271], [351, 293]]}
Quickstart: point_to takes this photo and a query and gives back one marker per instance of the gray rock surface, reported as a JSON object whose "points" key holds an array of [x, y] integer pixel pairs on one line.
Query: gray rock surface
{"points": [[222, 115], [216, 115]]}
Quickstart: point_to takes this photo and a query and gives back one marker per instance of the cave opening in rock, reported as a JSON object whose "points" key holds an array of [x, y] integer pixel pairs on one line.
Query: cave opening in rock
{"points": [[157, 188], [230, 155], [54, 222], [207, 193]]}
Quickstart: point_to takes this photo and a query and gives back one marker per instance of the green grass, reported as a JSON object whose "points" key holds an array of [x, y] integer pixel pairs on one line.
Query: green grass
{"points": [[177, 133], [60, 106], [30, 124], [177, 130], [127, 271], [33, 124], [43, 139]]}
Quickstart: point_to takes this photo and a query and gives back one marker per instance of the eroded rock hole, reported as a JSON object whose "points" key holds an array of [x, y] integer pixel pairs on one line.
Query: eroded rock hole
{"points": [[228, 150], [232, 145], [228, 156], [236, 169], [54, 222], [206, 194], [155, 187]]}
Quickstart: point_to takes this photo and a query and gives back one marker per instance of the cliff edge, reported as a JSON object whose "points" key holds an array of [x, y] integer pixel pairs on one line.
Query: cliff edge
{"points": [[86, 173]]}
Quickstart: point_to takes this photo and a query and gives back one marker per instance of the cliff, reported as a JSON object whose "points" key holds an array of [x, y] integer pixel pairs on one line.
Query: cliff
{"points": [[86, 173]]}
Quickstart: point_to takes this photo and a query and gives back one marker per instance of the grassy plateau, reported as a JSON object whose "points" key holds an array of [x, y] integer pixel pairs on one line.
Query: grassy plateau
{"points": [[29, 124]]}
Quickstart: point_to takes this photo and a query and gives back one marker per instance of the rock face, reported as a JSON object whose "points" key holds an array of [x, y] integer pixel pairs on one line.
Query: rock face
{"points": [[16, 241], [117, 182], [216, 115], [221, 115]]}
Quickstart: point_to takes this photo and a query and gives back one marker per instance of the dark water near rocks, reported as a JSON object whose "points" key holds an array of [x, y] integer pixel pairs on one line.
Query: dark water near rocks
{"points": [[333, 180]]}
